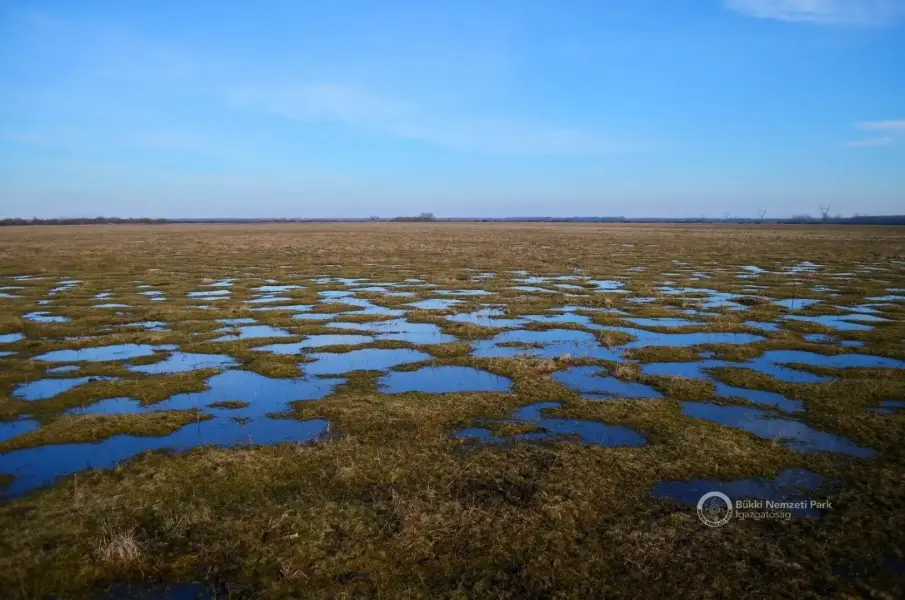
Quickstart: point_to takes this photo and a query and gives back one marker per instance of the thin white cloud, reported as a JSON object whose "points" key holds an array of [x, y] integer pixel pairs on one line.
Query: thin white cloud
{"points": [[825, 12], [388, 115], [872, 142], [890, 132], [897, 126]]}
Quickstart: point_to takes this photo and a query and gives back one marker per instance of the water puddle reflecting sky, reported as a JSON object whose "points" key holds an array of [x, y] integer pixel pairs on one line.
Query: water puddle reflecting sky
{"points": [[794, 434], [440, 380], [41, 389], [104, 353], [587, 432], [369, 359], [263, 395], [589, 382], [791, 485]]}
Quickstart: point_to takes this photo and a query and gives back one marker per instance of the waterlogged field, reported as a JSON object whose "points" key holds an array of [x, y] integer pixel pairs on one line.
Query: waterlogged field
{"points": [[450, 410]]}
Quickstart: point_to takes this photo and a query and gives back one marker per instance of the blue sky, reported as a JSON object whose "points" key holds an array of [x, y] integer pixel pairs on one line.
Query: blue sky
{"points": [[468, 108]]}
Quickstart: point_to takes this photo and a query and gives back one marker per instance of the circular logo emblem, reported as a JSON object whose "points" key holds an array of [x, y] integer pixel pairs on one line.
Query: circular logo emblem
{"points": [[714, 509]]}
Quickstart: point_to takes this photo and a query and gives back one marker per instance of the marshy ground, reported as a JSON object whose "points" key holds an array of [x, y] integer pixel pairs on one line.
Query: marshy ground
{"points": [[450, 410]]}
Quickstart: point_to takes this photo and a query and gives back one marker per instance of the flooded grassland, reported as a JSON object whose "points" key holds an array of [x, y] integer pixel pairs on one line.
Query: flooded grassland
{"points": [[450, 410]]}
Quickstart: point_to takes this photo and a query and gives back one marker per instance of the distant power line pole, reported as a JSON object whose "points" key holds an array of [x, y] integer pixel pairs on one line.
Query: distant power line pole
{"points": [[763, 213], [825, 212]]}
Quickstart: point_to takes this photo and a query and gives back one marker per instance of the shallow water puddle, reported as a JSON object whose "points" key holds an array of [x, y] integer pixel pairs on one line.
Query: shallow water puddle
{"points": [[790, 485], [62, 369], [838, 361], [644, 338], [664, 322], [802, 267], [42, 389], [796, 303], [286, 307], [589, 382], [209, 294], [562, 318], [462, 292], [364, 306], [571, 308], [440, 380], [793, 434], [152, 590], [554, 343], [707, 297], [246, 332], [42, 316], [887, 298], [35, 467], [182, 362], [278, 288], [606, 285], [149, 325], [542, 279], [435, 304], [487, 317], [335, 294], [839, 322], [9, 338], [104, 353], [822, 338], [872, 309], [263, 395], [400, 330], [10, 429], [772, 363], [316, 341], [758, 397], [112, 305], [64, 286], [340, 280], [315, 316], [268, 299], [889, 407], [221, 283], [369, 359], [588, 432]]}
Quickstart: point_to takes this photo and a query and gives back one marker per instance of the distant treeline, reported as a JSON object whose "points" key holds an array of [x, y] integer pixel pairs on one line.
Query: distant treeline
{"points": [[428, 217], [82, 221]]}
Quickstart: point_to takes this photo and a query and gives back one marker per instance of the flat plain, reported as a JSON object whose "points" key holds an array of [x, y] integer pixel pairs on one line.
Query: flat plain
{"points": [[450, 410]]}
